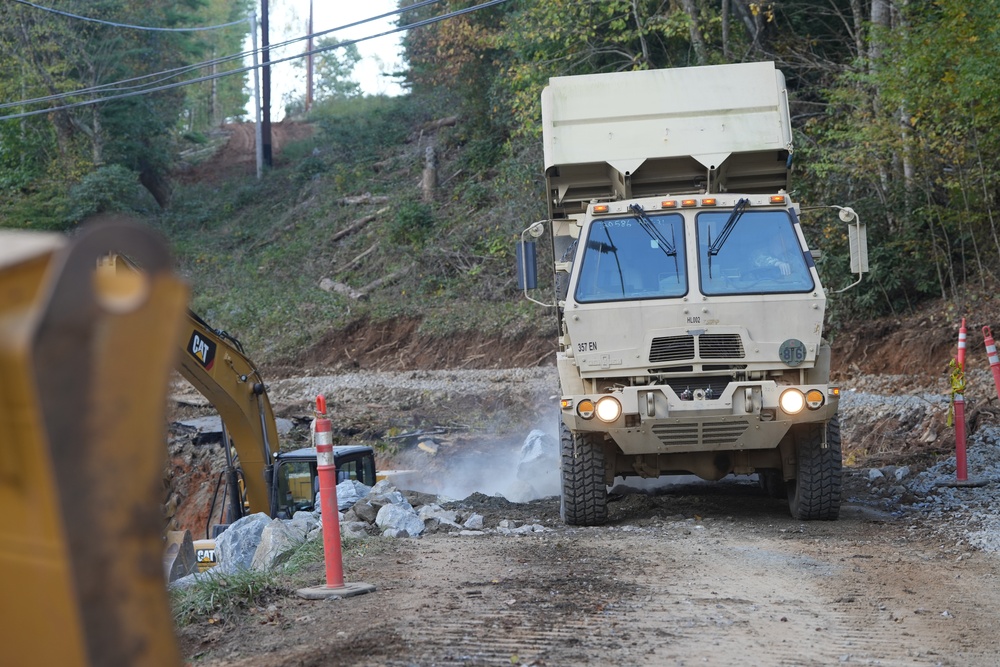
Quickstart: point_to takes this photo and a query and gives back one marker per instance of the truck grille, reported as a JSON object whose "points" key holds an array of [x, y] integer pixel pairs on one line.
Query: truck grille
{"points": [[717, 434], [716, 383], [710, 346], [671, 348], [720, 346]]}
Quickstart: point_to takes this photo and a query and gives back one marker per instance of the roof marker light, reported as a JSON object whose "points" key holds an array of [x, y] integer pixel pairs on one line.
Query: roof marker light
{"points": [[777, 199], [689, 202], [668, 203], [601, 208]]}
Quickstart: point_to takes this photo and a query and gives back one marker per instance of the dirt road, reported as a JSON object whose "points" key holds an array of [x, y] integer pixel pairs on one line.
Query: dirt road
{"points": [[702, 574]]}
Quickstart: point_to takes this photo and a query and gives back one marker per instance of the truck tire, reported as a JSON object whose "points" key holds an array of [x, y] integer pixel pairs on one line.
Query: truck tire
{"points": [[814, 494], [584, 493]]}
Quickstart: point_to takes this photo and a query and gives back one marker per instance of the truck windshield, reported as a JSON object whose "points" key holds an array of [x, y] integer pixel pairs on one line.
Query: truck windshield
{"points": [[623, 261], [762, 255]]}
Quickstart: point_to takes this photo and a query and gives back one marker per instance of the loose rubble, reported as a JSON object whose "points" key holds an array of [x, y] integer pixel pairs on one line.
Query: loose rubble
{"points": [[257, 542], [965, 516]]}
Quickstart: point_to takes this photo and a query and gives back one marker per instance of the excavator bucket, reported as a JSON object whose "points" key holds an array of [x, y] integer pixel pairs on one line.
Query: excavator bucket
{"points": [[85, 360]]}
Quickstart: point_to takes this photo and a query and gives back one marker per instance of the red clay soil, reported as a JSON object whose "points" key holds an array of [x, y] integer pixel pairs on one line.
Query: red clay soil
{"points": [[239, 155]]}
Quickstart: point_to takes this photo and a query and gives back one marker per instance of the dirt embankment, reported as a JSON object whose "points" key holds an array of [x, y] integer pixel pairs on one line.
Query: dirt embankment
{"points": [[231, 151]]}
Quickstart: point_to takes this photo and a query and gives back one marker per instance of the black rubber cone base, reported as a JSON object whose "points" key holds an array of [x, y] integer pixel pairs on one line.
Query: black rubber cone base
{"points": [[345, 591], [965, 483]]}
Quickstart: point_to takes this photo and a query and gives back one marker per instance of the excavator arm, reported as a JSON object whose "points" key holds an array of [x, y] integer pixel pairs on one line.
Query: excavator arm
{"points": [[214, 363]]}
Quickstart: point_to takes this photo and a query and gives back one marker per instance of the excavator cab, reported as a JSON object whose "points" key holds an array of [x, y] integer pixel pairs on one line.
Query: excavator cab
{"points": [[296, 477]]}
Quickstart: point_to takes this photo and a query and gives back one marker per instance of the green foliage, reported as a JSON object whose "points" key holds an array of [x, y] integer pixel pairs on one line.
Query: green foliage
{"points": [[23, 153], [909, 141], [360, 127], [45, 209], [209, 103], [43, 53], [112, 188], [412, 224], [334, 70]]}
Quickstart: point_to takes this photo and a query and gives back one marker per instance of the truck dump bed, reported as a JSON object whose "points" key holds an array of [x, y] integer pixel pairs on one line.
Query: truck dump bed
{"points": [[638, 134]]}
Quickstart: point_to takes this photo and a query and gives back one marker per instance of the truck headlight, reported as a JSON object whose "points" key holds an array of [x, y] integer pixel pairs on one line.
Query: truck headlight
{"points": [[608, 409], [792, 401]]}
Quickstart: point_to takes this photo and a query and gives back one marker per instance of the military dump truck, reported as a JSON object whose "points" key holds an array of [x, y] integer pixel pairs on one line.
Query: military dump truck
{"points": [[690, 307]]}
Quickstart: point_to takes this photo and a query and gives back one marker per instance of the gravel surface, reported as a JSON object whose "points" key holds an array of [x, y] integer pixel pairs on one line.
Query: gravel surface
{"points": [[929, 491]]}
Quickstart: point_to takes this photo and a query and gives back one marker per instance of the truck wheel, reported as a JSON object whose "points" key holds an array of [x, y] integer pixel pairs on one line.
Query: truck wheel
{"points": [[814, 494], [584, 493]]}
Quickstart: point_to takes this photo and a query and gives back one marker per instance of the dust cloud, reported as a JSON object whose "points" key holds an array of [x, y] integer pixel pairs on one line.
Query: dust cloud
{"points": [[519, 470]]}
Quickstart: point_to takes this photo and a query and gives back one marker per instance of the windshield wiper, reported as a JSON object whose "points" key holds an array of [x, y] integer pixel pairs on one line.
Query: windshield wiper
{"points": [[654, 233], [727, 229]]}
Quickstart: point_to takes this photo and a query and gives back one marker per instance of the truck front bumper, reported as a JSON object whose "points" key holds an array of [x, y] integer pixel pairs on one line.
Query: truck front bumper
{"points": [[655, 420]]}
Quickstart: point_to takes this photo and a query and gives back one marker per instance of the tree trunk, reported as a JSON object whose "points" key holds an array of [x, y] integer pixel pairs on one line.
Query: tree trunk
{"points": [[881, 24], [725, 30], [694, 30], [429, 181], [859, 33], [639, 31], [156, 183]]}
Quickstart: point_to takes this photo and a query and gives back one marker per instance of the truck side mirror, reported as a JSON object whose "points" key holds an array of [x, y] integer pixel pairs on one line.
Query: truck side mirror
{"points": [[857, 238], [527, 261], [527, 265]]}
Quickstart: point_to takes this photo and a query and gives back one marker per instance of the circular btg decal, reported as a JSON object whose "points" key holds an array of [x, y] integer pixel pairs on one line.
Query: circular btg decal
{"points": [[792, 352]]}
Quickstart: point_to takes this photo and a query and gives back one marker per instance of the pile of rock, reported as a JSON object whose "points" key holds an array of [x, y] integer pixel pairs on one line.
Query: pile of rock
{"points": [[257, 542]]}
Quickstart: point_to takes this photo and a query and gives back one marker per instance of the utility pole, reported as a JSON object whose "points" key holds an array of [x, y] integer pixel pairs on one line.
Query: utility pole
{"points": [[259, 134], [309, 61], [266, 104]]}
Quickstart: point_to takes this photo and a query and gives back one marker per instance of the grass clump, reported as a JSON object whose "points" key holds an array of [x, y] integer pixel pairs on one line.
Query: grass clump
{"points": [[222, 598]]}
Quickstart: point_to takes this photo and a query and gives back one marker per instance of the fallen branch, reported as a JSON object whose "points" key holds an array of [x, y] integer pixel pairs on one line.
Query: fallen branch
{"points": [[357, 225], [357, 260], [450, 121], [366, 198], [386, 280], [294, 214], [328, 285]]}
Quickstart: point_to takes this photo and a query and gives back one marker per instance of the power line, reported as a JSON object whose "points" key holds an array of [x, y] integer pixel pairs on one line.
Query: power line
{"points": [[125, 25], [410, 26], [172, 73]]}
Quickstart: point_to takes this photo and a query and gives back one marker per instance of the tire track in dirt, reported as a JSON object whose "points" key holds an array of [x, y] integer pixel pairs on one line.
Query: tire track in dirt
{"points": [[688, 593]]}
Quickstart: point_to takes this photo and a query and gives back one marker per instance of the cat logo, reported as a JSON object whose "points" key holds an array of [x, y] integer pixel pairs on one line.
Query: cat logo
{"points": [[203, 350]]}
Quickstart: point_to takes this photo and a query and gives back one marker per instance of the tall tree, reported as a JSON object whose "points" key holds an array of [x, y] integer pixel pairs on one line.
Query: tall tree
{"points": [[55, 55]]}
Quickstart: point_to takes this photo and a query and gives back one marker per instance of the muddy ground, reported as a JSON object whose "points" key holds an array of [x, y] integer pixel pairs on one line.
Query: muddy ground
{"points": [[691, 573]]}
